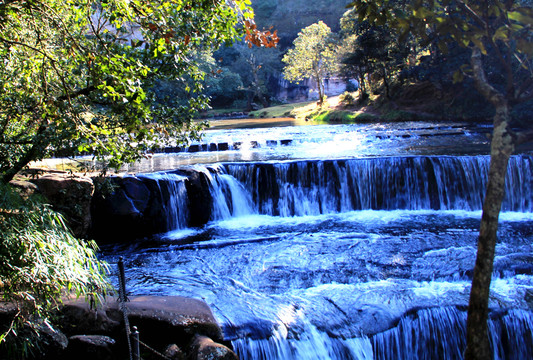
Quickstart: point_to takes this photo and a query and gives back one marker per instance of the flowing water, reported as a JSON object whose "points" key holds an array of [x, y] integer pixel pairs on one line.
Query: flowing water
{"points": [[347, 242]]}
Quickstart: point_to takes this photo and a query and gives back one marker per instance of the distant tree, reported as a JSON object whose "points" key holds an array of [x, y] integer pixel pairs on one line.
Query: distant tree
{"points": [[500, 28], [369, 49], [220, 85], [313, 56], [78, 76], [255, 66]]}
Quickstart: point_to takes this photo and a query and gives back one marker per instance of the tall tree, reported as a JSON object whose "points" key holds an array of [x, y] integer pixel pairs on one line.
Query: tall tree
{"points": [[504, 30], [369, 49], [78, 76], [313, 56]]}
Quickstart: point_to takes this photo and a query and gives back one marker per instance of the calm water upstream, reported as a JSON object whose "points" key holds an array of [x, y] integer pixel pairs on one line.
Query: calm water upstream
{"points": [[342, 241]]}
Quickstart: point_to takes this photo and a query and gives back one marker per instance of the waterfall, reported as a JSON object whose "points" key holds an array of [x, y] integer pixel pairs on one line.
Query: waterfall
{"points": [[173, 198], [440, 333], [360, 284], [305, 342], [430, 333], [300, 188], [230, 198]]}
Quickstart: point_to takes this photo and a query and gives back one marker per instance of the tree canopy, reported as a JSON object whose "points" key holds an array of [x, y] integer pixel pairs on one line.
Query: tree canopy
{"points": [[78, 76], [368, 49], [313, 56]]}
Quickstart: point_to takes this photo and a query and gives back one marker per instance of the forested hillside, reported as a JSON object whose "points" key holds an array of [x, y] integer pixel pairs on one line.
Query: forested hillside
{"points": [[289, 17]]}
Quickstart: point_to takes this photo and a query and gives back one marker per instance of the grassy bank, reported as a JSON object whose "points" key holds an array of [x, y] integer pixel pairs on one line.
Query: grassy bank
{"points": [[331, 111], [413, 102]]}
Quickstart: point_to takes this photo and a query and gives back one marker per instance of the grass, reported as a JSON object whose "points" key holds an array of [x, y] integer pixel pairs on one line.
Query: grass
{"points": [[286, 110], [215, 112], [332, 111]]}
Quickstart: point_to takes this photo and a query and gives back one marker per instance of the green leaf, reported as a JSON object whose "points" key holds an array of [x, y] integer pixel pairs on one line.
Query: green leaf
{"points": [[502, 33], [521, 16], [479, 44], [458, 77]]}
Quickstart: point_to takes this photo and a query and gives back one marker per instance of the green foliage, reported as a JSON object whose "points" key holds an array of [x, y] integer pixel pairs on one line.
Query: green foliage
{"points": [[313, 56], [332, 116], [369, 50], [255, 66], [79, 75], [40, 261], [501, 29], [347, 99]]}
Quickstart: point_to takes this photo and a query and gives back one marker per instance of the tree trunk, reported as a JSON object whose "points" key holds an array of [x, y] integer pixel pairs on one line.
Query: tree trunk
{"points": [[502, 146], [320, 92], [256, 84], [478, 346], [386, 82]]}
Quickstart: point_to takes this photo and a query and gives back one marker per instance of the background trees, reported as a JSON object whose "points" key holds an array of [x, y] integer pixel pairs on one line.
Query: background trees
{"points": [[369, 49], [502, 30], [255, 67], [313, 56]]}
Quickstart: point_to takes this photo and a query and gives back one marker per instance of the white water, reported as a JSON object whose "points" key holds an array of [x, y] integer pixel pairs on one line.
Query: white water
{"points": [[349, 259], [175, 200]]}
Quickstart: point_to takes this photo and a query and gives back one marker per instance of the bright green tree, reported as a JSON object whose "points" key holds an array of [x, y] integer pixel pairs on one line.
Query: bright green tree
{"points": [[313, 56], [78, 76], [503, 30]]}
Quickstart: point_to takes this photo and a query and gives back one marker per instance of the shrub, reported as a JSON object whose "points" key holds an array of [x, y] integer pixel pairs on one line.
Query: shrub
{"points": [[40, 261], [347, 99]]}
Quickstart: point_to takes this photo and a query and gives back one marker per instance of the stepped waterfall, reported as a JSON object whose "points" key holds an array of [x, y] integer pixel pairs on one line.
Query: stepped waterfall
{"points": [[346, 259]]}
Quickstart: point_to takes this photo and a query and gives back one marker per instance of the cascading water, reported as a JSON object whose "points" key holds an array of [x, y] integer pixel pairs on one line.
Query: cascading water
{"points": [[410, 183], [351, 259], [173, 198], [440, 333], [230, 199]]}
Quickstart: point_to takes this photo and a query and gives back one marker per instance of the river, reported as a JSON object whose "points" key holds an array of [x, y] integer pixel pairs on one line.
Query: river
{"points": [[342, 241]]}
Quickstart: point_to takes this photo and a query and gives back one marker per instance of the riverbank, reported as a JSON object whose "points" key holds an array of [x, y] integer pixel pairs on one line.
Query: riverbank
{"points": [[333, 110], [416, 102]]}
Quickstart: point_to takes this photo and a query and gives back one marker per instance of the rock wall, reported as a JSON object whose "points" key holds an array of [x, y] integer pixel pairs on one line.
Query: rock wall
{"points": [[122, 208], [71, 195], [131, 207]]}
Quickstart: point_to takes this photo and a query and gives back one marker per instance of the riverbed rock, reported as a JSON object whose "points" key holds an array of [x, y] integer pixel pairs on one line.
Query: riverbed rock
{"points": [[52, 342], [199, 195], [126, 207], [70, 195], [204, 348], [173, 352], [25, 188], [160, 320], [90, 347]]}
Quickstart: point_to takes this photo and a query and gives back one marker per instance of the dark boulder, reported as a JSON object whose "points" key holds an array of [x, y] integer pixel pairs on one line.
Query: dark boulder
{"points": [[203, 348], [160, 320], [199, 197], [90, 347], [70, 195]]}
